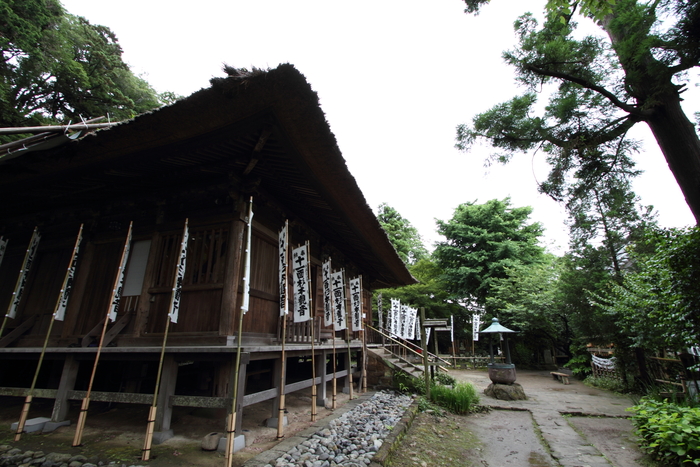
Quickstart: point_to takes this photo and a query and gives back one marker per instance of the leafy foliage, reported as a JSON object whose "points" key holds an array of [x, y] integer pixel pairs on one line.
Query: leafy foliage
{"points": [[670, 432], [58, 67], [529, 299], [657, 304], [403, 236], [600, 88], [483, 241]]}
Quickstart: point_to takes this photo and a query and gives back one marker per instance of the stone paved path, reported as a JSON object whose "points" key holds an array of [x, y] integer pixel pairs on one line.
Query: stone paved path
{"points": [[548, 402]]}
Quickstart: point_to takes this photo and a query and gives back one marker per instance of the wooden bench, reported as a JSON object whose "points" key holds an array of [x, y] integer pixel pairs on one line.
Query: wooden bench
{"points": [[563, 377]]}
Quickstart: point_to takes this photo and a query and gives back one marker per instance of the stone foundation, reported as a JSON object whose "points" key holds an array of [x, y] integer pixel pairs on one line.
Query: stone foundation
{"points": [[506, 392]]}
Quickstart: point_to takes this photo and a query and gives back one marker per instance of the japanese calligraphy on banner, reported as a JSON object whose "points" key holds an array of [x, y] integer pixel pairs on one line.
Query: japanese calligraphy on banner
{"points": [[327, 293], [403, 321], [181, 265], [246, 272], [119, 285], [411, 323], [60, 313], [356, 302], [476, 323], [3, 248], [300, 284], [379, 311], [284, 309], [338, 287], [395, 316], [22, 280]]}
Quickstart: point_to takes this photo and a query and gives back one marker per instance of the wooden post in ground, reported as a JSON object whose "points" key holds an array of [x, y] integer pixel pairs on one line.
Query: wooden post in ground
{"points": [[424, 346]]}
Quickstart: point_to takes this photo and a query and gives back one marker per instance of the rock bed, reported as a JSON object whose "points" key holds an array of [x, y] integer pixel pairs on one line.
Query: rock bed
{"points": [[14, 457], [352, 439]]}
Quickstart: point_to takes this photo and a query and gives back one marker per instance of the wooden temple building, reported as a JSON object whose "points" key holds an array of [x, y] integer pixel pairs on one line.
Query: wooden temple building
{"points": [[257, 134]]}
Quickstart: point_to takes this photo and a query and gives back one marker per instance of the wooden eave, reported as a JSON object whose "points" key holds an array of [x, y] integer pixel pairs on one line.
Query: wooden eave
{"points": [[264, 129]]}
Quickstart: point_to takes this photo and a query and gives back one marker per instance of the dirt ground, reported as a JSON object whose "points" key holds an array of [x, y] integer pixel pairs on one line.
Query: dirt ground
{"points": [[116, 432], [494, 438], [511, 438]]}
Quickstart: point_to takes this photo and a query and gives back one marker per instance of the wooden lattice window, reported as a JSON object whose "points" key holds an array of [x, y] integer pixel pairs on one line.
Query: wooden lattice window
{"points": [[206, 254]]}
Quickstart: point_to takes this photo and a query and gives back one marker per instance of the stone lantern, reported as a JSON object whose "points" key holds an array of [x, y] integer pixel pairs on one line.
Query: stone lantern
{"points": [[502, 375]]}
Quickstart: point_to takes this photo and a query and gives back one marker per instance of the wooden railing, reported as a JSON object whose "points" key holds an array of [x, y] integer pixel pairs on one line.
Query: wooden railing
{"points": [[300, 333]]}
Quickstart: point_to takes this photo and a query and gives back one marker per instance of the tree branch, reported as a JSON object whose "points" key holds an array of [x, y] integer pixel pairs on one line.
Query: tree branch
{"points": [[588, 85]]}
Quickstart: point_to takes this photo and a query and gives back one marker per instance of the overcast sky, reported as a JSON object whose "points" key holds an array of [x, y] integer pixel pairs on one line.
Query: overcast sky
{"points": [[394, 78]]}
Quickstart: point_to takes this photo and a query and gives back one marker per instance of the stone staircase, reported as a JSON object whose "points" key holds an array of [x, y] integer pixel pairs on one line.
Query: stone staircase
{"points": [[395, 363]]}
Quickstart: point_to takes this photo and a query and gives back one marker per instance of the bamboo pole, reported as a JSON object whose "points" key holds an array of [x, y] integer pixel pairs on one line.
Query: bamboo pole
{"points": [[116, 292], [19, 287], [231, 428], [348, 334], [334, 394], [284, 311], [174, 302], [30, 395], [313, 338]]}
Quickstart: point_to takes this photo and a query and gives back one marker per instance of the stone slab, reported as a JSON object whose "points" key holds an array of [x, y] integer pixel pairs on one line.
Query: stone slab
{"points": [[32, 425], [51, 426], [238, 443]]}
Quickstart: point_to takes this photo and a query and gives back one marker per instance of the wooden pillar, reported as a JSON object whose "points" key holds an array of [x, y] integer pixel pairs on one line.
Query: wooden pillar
{"points": [[167, 389], [348, 367], [227, 318], [143, 308], [321, 373], [67, 383]]}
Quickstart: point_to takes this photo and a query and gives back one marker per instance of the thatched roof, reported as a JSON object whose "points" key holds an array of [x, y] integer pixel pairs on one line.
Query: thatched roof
{"points": [[264, 128]]}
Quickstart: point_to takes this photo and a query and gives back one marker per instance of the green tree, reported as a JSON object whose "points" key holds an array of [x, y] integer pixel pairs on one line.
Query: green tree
{"points": [[403, 236], [58, 67], [482, 242], [657, 304], [602, 88], [529, 299]]}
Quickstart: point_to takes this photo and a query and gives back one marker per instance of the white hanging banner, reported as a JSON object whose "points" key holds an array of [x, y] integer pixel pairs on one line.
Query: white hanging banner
{"points": [[327, 293], [283, 252], [119, 284], [395, 316], [246, 272], [60, 313], [22, 279], [356, 302], [3, 248], [411, 323], [452, 328], [427, 335], [476, 323], [338, 286], [300, 284], [379, 311], [403, 331], [180, 276]]}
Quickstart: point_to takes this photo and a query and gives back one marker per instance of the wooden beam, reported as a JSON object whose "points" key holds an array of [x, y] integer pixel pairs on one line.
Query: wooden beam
{"points": [[18, 331]]}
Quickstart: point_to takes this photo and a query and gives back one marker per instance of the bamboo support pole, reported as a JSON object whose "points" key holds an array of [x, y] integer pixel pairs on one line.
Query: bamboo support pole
{"points": [[177, 288], [80, 425], [231, 428], [348, 334], [18, 285], [30, 395], [312, 317], [285, 310]]}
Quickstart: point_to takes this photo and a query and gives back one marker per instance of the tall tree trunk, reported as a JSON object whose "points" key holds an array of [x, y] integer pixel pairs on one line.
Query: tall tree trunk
{"points": [[680, 145]]}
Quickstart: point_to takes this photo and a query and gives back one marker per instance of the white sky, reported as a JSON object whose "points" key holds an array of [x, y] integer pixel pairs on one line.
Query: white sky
{"points": [[394, 78]]}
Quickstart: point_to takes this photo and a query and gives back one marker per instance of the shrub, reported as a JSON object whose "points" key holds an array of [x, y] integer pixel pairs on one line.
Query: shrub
{"points": [[670, 432], [459, 399], [607, 383], [445, 379]]}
